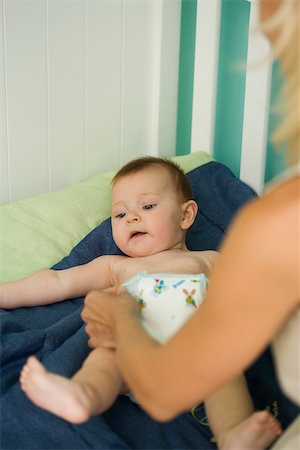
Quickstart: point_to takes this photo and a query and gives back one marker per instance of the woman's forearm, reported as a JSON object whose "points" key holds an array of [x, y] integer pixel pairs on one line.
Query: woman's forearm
{"points": [[149, 367], [158, 375], [114, 321]]}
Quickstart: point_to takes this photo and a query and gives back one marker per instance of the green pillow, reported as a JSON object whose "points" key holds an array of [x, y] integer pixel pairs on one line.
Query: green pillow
{"points": [[38, 232]]}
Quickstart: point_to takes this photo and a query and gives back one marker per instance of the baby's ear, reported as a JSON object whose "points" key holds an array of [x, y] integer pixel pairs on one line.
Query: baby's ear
{"points": [[189, 212]]}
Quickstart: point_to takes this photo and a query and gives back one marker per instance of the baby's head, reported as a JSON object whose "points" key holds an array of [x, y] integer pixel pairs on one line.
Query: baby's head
{"points": [[152, 206]]}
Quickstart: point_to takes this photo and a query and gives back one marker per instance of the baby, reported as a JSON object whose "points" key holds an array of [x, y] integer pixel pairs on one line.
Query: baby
{"points": [[152, 208]]}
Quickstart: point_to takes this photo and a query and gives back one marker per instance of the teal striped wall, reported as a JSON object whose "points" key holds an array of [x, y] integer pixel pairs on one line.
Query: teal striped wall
{"points": [[186, 76], [230, 86], [231, 83]]}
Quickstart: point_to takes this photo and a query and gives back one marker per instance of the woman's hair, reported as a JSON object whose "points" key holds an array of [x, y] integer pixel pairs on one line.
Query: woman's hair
{"points": [[285, 26], [177, 175]]}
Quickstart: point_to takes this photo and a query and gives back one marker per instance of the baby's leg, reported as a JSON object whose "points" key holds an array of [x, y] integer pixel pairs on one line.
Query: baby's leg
{"points": [[92, 390], [233, 422]]}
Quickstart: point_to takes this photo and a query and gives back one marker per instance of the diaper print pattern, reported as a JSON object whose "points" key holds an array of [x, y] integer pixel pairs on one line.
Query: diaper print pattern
{"points": [[190, 300], [159, 286], [167, 300]]}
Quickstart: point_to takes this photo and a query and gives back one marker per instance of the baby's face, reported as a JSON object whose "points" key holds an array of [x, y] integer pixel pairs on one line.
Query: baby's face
{"points": [[146, 213]]}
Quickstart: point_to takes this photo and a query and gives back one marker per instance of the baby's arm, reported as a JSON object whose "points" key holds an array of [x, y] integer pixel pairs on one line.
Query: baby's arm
{"points": [[40, 288], [51, 286]]}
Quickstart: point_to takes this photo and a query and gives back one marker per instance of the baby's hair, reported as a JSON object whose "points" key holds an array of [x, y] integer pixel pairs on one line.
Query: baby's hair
{"points": [[177, 175]]}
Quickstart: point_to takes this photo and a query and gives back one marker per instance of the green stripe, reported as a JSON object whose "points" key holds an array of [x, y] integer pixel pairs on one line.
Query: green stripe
{"points": [[231, 83], [186, 76]]}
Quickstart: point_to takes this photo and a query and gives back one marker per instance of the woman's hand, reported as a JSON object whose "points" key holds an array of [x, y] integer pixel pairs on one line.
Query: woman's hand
{"points": [[101, 311]]}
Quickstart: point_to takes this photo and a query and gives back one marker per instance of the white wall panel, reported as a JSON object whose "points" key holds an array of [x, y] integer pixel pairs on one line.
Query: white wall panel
{"points": [[103, 83], [166, 115], [137, 82], [257, 105], [205, 74], [25, 41], [86, 85], [4, 172], [66, 72]]}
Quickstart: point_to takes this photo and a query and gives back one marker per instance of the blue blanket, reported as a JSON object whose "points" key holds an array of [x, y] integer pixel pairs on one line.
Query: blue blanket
{"points": [[55, 334]]}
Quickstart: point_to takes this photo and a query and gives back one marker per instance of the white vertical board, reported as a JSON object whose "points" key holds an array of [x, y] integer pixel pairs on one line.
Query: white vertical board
{"points": [[205, 74], [257, 106], [4, 167], [66, 96], [104, 61], [164, 72], [86, 85], [136, 82], [156, 76], [25, 42], [168, 77]]}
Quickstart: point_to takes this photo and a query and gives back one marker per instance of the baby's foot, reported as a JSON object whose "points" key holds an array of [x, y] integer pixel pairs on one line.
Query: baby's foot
{"points": [[56, 394], [255, 433]]}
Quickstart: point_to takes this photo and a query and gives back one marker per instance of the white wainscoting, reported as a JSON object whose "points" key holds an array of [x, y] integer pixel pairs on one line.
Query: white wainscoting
{"points": [[257, 105], [85, 85]]}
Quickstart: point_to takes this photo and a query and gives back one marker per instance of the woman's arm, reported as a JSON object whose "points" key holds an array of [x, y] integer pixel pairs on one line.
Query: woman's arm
{"points": [[253, 289]]}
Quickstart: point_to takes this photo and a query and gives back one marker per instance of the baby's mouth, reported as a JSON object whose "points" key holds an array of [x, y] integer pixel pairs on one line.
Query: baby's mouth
{"points": [[136, 234]]}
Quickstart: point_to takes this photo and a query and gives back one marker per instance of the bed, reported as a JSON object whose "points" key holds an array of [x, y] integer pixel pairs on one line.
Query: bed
{"points": [[71, 227]]}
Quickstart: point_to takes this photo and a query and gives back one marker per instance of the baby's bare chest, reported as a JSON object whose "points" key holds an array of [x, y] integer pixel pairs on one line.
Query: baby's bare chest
{"points": [[173, 262]]}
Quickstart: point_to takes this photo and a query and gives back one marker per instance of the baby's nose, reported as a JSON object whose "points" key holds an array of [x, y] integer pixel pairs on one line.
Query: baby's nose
{"points": [[133, 217]]}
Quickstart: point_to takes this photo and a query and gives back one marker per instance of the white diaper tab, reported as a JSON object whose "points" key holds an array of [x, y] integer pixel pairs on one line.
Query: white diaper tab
{"points": [[167, 300]]}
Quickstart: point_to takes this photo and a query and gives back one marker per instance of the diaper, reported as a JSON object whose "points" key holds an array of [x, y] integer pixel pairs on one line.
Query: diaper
{"points": [[167, 300]]}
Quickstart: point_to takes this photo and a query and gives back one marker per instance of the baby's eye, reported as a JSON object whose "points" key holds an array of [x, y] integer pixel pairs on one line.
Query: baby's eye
{"points": [[120, 216], [149, 206]]}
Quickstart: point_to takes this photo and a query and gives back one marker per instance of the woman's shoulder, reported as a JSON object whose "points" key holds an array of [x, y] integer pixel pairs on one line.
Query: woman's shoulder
{"points": [[264, 238], [268, 228]]}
